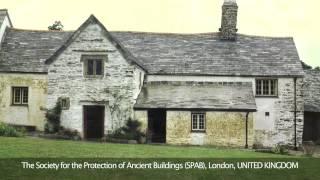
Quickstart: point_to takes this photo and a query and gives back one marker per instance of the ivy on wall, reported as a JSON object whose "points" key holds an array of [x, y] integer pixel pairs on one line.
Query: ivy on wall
{"points": [[53, 119]]}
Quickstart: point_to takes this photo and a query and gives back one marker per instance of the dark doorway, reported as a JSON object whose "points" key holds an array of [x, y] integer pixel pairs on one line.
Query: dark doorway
{"points": [[157, 126], [93, 117], [311, 128]]}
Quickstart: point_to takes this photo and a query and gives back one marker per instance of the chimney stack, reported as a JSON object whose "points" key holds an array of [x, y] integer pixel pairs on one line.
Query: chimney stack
{"points": [[228, 30]]}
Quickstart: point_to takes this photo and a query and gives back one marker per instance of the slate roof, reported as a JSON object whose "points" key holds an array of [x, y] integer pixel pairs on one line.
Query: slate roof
{"points": [[27, 50], [312, 91], [235, 96], [206, 54], [158, 53]]}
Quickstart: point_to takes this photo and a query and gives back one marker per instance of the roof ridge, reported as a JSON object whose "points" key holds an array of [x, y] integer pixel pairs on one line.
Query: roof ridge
{"points": [[157, 33], [200, 33], [36, 30], [193, 82], [264, 36], [164, 33]]}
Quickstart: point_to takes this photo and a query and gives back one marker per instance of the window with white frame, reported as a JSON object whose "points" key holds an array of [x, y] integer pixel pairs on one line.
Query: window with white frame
{"points": [[20, 95], [198, 122], [266, 87]]}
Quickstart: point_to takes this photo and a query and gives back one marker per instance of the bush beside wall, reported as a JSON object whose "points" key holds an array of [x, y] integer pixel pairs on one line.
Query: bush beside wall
{"points": [[10, 131]]}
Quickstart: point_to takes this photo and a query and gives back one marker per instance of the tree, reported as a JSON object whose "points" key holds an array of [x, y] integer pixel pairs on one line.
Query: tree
{"points": [[56, 26], [308, 67], [305, 66]]}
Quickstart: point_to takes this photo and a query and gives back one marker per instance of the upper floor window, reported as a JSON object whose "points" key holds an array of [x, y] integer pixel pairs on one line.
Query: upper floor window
{"points": [[266, 87], [93, 65], [20, 95], [198, 122]]}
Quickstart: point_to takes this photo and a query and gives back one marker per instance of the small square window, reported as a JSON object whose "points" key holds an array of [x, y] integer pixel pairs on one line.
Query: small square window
{"points": [[93, 65], [20, 95], [64, 103], [198, 122]]}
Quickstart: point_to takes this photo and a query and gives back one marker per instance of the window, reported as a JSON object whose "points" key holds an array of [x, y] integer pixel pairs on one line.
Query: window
{"points": [[64, 103], [198, 122], [266, 87], [20, 95], [93, 65]]}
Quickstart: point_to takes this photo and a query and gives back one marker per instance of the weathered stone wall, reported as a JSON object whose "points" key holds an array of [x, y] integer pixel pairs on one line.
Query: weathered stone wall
{"points": [[142, 117], [31, 115], [117, 89], [222, 129], [279, 126], [283, 112]]}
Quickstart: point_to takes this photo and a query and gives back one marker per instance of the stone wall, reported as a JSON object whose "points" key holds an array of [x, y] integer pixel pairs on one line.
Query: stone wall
{"points": [[116, 90], [32, 114], [222, 129], [142, 117], [283, 112], [279, 126]]}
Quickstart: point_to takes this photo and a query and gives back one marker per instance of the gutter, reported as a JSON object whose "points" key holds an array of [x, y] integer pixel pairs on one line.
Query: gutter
{"points": [[295, 113], [144, 107], [246, 146]]}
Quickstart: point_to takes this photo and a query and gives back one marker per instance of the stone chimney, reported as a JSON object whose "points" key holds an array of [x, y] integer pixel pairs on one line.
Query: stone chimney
{"points": [[228, 30]]}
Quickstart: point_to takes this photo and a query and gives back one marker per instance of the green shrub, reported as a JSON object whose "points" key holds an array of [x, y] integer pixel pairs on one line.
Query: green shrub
{"points": [[72, 134], [130, 131], [53, 119], [10, 131], [308, 148], [281, 149]]}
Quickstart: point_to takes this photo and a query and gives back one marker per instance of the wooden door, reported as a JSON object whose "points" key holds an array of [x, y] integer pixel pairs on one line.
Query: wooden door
{"points": [[93, 117]]}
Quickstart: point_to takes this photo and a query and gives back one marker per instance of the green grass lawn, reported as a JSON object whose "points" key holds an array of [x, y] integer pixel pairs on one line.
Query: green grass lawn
{"points": [[15, 150], [44, 148]]}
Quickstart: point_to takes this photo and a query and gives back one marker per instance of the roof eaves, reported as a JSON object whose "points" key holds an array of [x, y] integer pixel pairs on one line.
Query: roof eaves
{"points": [[226, 75], [200, 109]]}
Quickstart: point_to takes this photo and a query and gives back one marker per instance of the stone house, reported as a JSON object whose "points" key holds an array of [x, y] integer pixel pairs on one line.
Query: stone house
{"points": [[221, 88]]}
